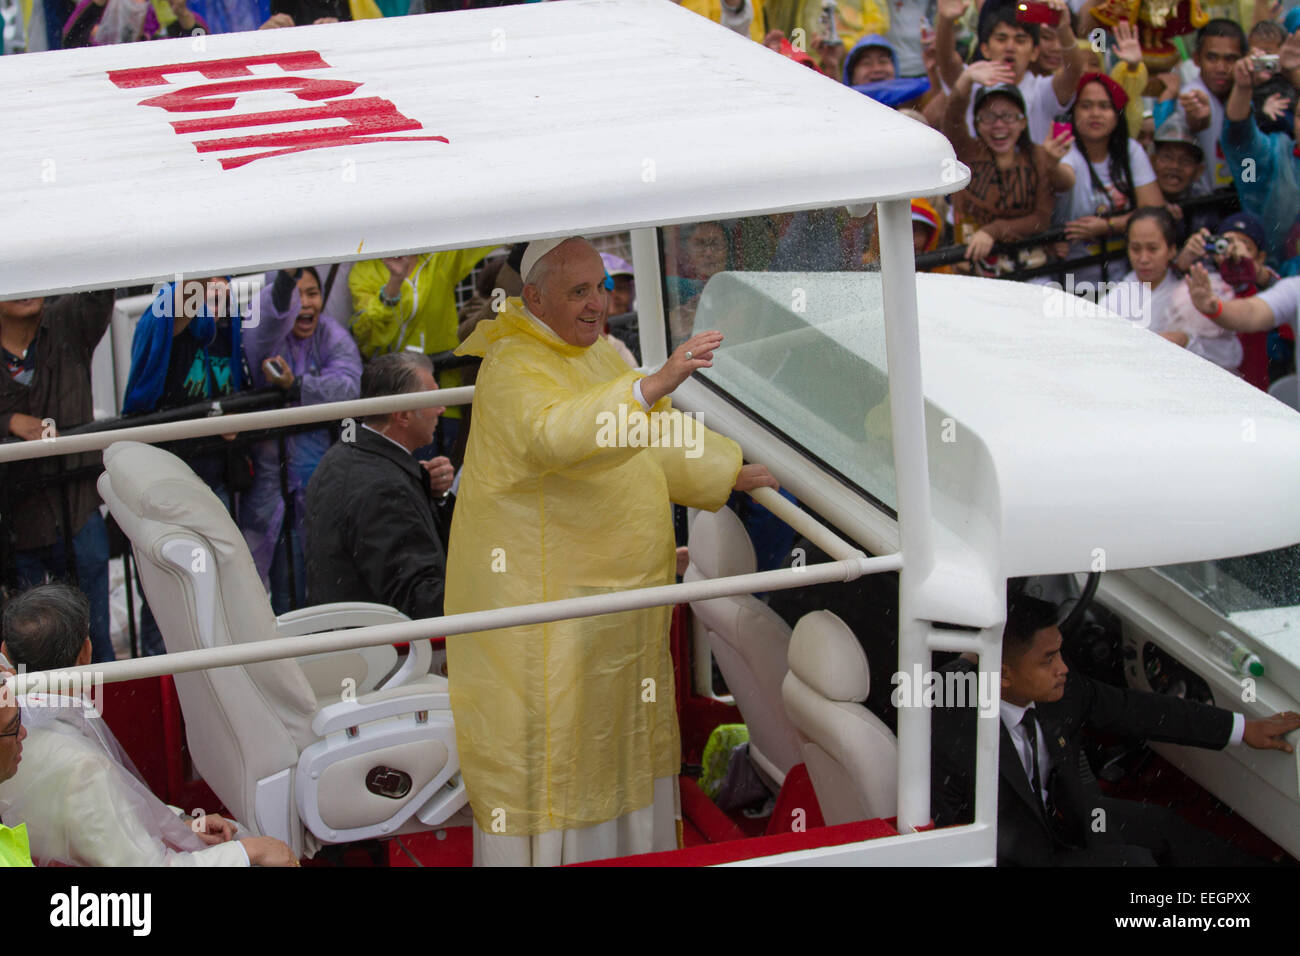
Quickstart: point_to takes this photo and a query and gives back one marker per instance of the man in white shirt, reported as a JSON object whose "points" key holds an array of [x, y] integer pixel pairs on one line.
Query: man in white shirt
{"points": [[1004, 38], [1219, 45], [75, 789]]}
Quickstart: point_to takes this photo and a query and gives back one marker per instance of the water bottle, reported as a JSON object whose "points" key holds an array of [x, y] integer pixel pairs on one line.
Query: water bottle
{"points": [[1235, 655]]}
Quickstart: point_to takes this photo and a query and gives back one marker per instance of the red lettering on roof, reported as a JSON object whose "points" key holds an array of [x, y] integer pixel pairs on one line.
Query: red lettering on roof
{"points": [[365, 117], [221, 96], [216, 69]]}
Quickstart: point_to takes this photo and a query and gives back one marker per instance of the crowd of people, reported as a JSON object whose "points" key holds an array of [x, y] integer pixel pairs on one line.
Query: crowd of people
{"points": [[1072, 142]]}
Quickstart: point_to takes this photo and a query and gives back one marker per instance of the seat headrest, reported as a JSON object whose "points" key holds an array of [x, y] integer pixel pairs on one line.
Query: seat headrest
{"points": [[720, 546], [156, 485], [826, 656]]}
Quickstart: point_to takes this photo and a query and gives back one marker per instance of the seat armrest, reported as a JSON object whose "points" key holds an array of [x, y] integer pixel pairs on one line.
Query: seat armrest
{"points": [[419, 657], [430, 694], [330, 617]]}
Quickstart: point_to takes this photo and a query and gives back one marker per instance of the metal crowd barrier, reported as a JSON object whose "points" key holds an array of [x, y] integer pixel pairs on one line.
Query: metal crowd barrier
{"points": [[1224, 201]]}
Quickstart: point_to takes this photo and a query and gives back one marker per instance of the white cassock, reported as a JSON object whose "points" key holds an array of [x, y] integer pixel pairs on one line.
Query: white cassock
{"points": [[651, 829]]}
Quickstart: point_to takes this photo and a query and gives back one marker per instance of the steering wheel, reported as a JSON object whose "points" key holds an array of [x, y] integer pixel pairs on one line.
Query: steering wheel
{"points": [[1074, 620]]}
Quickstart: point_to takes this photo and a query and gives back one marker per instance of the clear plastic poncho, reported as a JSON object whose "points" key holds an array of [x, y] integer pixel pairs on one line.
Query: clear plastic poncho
{"points": [[84, 802]]}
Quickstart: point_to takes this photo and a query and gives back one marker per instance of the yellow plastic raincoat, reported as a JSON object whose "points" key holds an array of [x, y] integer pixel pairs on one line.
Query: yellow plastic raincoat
{"points": [[14, 849], [566, 725], [426, 315]]}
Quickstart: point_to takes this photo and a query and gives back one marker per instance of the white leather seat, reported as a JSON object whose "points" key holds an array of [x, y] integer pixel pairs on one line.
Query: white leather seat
{"points": [[340, 755], [852, 756], [748, 639]]}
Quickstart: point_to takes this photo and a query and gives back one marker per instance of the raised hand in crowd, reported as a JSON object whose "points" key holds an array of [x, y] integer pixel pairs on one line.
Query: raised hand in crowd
{"points": [[986, 73], [951, 10], [1238, 104], [1126, 46], [1288, 58], [1198, 284], [399, 267], [1275, 105], [947, 13], [1058, 146]]}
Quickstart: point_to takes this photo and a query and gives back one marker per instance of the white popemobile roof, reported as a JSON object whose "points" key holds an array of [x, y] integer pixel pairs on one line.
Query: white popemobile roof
{"points": [[1061, 438], [1112, 448], [485, 126]]}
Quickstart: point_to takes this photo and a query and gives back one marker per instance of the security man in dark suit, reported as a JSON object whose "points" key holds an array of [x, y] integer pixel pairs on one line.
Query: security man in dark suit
{"points": [[377, 518], [1051, 811]]}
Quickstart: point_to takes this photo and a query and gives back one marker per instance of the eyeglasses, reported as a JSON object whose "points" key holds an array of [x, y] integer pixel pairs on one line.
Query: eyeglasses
{"points": [[988, 118], [18, 728]]}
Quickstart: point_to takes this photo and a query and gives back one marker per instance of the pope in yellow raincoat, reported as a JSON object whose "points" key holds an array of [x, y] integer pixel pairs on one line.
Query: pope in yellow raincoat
{"points": [[567, 725]]}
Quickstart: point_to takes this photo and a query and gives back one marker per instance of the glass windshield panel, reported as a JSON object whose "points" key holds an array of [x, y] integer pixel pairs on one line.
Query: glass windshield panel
{"points": [[1259, 593], [798, 299]]}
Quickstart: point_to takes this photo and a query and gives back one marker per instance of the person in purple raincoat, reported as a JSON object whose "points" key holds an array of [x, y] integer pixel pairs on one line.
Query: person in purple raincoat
{"points": [[314, 359]]}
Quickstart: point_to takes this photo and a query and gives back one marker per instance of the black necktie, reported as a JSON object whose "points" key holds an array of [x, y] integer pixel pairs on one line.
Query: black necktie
{"points": [[1030, 723]]}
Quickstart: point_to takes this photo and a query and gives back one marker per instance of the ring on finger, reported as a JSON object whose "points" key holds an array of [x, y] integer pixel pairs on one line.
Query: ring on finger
{"points": [[689, 355]]}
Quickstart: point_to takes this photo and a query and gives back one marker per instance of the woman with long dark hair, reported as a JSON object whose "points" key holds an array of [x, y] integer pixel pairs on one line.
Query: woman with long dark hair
{"points": [[1112, 175]]}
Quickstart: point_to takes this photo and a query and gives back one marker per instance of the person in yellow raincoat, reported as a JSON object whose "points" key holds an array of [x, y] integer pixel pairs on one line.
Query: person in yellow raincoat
{"points": [[567, 731], [410, 301]]}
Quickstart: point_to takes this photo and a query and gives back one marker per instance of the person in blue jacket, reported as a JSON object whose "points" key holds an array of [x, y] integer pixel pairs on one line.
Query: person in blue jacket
{"points": [[1265, 168], [186, 349], [871, 68]]}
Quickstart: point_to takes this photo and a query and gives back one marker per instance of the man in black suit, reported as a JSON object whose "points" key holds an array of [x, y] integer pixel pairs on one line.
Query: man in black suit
{"points": [[1051, 811], [376, 518]]}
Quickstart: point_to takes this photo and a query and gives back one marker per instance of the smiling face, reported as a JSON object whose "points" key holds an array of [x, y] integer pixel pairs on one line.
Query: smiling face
{"points": [[310, 305], [1148, 252], [1094, 114], [1012, 45], [1177, 166], [570, 296], [1000, 122], [873, 65], [1036, 674]]}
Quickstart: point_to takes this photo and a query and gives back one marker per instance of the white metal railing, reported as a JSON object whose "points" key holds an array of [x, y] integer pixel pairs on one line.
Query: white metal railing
{"points": [[219, 424], [327, 641]]}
